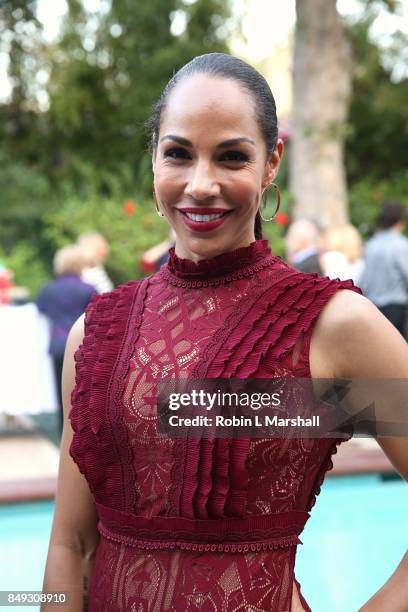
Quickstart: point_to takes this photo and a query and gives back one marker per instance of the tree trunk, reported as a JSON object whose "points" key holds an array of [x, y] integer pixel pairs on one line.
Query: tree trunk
{"points": [[321, 94]]}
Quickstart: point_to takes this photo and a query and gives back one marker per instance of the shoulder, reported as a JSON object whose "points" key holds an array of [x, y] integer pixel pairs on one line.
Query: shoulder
{"points": [[76, 335], [50, 286], [354, 339], [87, 288], [105, 317], [402, 242], [108, 299], [109, 308]]}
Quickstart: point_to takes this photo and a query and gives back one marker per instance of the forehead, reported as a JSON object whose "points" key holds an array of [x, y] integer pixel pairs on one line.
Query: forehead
{"points": [[214, 105]]}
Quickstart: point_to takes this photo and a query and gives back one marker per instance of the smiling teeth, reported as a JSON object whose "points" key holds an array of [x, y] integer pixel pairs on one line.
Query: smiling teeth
{"points": [[203, 218]]}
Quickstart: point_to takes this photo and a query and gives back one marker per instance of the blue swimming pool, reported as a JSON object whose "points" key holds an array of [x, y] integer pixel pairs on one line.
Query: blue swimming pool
{"points": [[353, 541]]}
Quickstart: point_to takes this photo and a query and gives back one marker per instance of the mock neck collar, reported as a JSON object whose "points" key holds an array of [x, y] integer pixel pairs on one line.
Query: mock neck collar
{"points": [[221, 268]]}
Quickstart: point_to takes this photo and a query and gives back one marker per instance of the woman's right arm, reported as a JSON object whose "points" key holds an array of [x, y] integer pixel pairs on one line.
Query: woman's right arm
{"points": [[74, 535]]}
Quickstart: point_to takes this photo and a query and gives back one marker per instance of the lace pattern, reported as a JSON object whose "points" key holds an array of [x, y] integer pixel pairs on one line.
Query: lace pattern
{"points": [[252, 316]]}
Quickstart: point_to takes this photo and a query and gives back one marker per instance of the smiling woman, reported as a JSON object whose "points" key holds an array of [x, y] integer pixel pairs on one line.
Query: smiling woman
{"points": [[220, 171], [205, 523], [230, 164]]}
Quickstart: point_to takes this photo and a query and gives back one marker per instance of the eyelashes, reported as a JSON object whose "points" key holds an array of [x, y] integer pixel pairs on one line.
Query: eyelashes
{"points": [[177, 153], [234, 157]]}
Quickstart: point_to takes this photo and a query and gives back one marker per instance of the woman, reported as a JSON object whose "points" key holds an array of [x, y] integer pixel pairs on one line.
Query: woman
{"points": [[63, 300], [342, 257], [207, 524]]}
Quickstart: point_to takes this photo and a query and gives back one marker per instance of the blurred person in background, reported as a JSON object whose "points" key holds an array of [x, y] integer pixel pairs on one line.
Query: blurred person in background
{"points": [[6, 283], [158, 255], [94, 273], [385, 277], [342, 253], [63, 300], [302, 246]]}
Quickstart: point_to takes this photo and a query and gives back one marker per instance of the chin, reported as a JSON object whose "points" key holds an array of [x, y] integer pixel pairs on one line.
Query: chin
{"points": [[207, 248]]}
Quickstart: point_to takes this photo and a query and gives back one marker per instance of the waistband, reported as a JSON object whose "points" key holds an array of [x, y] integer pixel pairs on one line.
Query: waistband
{"points": [[229, 534]]}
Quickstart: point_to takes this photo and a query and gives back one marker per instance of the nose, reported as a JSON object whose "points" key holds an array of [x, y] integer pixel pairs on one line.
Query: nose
{"points": [[203, 184]]}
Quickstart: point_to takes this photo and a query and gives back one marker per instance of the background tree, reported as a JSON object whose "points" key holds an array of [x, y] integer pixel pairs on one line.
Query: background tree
{"points": [[347, 93], [72, 145], [321, 93], [378, 123], [110, 69], [86, 146]]}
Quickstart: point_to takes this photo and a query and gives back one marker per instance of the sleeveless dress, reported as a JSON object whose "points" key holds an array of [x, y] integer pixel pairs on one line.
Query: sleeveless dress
{"points": [[207, 525]]}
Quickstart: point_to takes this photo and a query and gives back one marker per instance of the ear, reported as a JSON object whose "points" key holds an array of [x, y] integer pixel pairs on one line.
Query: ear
{"points": [[272, 164], [154, 154]]}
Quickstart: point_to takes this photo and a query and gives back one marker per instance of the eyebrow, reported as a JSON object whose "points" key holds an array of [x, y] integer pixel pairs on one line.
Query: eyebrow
{"points": [[223, 145]]}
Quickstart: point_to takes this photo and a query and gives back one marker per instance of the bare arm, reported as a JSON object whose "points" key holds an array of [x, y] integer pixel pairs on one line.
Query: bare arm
{"points": [[74, 536], [370, 348]]}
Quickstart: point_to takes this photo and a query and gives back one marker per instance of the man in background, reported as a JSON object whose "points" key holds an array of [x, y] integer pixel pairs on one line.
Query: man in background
{"points": [[384, 280], [302, 246]]}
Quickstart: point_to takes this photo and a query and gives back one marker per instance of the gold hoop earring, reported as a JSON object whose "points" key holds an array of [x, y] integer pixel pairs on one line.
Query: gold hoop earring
{"points": [[264, 198], [156, 205]]}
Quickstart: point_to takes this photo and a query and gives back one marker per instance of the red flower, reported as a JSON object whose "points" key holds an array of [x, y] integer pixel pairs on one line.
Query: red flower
{"points": [[129, 208], [282, 218]]}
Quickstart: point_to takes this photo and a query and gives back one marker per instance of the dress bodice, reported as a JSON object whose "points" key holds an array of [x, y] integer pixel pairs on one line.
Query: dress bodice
{"points": [[243, 314]]}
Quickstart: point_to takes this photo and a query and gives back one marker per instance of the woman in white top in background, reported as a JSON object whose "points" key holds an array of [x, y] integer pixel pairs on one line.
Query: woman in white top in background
{"points": [[342, 250]]}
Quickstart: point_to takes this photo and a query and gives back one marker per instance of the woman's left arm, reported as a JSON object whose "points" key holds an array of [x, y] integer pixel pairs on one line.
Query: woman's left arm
{"points": [[354, 340]]}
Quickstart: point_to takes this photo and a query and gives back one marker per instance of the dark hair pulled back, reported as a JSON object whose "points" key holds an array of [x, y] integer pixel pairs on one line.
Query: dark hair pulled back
{"points": [[227, 67]]}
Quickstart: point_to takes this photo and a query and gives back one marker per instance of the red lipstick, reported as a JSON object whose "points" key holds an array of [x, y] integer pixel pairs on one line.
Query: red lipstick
{"points": [[203, 226]]}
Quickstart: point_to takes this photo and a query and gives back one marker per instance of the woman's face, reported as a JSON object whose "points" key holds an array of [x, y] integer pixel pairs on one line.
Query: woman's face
{"points": [[210, 166]]}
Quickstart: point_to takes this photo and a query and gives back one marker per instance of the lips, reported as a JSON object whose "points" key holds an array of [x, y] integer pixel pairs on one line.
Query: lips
{"points": [[203, 219]]}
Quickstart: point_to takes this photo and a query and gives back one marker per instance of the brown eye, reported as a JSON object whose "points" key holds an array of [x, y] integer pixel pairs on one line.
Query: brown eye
{"points": [[234, 156], [177, 153]]}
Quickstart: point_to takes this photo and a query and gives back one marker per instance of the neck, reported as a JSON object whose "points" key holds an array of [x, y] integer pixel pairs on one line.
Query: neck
{"points": [[204, 251]]}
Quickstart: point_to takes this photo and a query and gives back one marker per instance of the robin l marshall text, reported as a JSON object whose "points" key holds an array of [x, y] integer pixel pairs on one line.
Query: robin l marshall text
{"points": [[241, 421]]}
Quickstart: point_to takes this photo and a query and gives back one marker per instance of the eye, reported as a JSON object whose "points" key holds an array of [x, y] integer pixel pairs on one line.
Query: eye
{"points": [[236, 157], [177, 153]]}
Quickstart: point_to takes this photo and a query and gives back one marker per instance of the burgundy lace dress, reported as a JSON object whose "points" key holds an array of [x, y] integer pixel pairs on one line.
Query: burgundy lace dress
{"points": [[196, 524]]}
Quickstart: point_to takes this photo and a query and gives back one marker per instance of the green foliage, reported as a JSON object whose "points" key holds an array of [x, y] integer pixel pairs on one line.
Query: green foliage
{"points": [[378, 117], [367, 195], [130, 226], [25, 193], [109, 71], [65, 169], [27, 267], [69, 168]]}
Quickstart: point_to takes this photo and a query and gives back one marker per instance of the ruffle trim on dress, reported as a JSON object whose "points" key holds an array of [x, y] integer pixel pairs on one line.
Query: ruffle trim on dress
{"points": [[224, 268], [266, 328], [219, 265], [326, 467], [221, 280], [92, 446]]}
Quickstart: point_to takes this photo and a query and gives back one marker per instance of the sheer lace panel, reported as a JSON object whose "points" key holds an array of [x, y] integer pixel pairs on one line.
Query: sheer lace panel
{"points": [[245, 315], [179, 581]]}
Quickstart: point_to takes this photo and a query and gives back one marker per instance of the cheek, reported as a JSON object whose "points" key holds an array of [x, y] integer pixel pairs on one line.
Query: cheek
{"points": [[168, 184], [245, 192]]}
